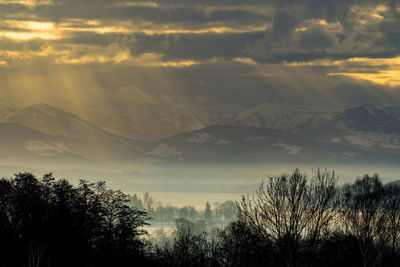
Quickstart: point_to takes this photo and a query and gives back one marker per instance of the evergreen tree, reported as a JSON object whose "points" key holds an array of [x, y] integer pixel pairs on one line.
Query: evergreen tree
{"points": [[208, 213]]}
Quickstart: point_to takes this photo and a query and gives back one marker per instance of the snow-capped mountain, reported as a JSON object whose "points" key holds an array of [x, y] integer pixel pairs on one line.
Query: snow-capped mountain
{"points": [[256, 145], [287, 133], [145, 121], [23, 144], [285, 116], [154, 121], [20, 143], [43, 131], [47, 119], [365, 127], [367, 118], [6, 109], [272, 132]]}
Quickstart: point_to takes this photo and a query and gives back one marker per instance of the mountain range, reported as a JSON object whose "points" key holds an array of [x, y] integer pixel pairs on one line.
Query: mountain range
{"points": [[270, 133]]}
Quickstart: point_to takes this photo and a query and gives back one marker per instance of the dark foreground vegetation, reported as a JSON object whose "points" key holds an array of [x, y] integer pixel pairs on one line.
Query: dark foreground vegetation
{"points": [[292, 220]]}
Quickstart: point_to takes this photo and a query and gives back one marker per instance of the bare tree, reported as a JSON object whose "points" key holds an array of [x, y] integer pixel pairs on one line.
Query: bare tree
{"points": [[364, 216], [324, 201], [392, 211], [289, 208]]}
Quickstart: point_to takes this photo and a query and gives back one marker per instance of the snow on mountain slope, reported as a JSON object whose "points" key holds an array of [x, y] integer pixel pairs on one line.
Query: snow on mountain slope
{"points": [[222, 114], [367, 118], [155, 121], [144, 121], [79, 137], [393, 110], [249, 144], [50, 120], [285, 116], [6, 109], [296, 134], [365, 127], [23, 144]]}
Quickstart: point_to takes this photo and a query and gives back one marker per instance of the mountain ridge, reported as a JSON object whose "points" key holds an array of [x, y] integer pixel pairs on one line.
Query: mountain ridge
{"points": [[356, 134]]}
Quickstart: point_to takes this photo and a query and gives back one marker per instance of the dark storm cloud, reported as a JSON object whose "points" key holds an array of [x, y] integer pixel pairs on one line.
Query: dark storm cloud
{"points": [[196, 46], [234, 83], [157, 13], [293, 29], [283, 24], [315, 39]]}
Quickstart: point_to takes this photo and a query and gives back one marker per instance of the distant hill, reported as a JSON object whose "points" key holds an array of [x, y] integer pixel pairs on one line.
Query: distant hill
{"points": [[258, 145], [154, 121], [44, 135], [367, 118], [6, 109], [284, 116], [20, 143], [47, 119], [272, 132]]}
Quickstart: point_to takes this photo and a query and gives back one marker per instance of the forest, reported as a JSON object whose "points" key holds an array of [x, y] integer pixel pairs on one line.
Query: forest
{"points": [[291, 220]]}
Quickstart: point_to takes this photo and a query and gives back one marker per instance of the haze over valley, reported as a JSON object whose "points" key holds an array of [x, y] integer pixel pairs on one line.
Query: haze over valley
{"points": [[220, 148]]}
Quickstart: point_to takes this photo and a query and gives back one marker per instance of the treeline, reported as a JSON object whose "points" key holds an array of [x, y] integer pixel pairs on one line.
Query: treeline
{"points": [[219, 213], [292, 220], [52, 223], [297, 220]]}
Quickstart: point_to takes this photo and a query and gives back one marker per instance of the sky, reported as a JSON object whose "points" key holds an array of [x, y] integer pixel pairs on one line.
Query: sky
{"points": [[114, 53], [110, 55]]}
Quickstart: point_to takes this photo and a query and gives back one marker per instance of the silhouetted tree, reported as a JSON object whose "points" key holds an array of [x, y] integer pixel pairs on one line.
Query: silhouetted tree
{"points": [[225, 211], [289, 208], [136, 202], [189, 247], [339, 249], [52, 223], [364, 216], [292, 220], [392, 208], [241, 246], [208, 212]]}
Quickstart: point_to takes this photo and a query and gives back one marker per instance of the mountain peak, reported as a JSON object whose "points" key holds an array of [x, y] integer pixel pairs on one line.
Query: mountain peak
{"points": [[41, 110], [6, 109], [50, 120], [368, 106], [371, 109], [368, 118], [5, 103], [42, 106]]}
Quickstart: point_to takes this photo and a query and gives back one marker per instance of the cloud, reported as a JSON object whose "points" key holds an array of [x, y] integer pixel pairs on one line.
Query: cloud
{"points": [[305, 30], [316, 38], [226, 51], [28, 3]]}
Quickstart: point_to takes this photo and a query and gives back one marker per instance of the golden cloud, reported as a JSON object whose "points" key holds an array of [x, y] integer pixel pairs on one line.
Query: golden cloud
{"points": [[20, 30], [29, 3], [382, 71], [138, 4], [383, 77], [245, 60], [212, 30], [91, 54], [25, 30]]}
